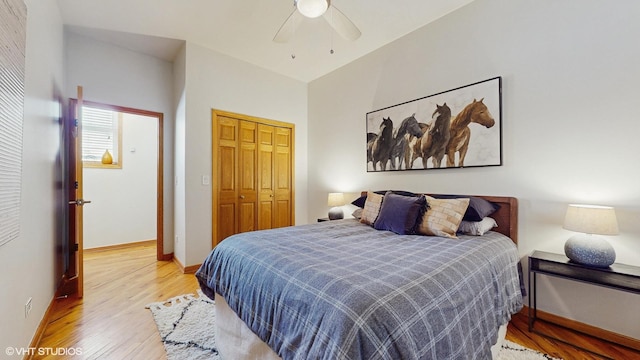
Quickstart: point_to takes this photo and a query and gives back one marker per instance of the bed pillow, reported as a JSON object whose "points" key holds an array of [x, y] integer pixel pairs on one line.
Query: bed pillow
{"points": [[357, 213], [371, 208], [443, 216], [359, 202], [478, 209], [477, 227], [400, 214]]}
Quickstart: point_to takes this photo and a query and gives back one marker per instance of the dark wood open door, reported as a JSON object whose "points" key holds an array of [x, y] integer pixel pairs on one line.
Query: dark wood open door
{"points": [[73, 278]]}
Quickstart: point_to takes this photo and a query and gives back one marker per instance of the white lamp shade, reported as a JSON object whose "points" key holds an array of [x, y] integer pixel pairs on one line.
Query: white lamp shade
{"points": [[591, 219], [312, 8], [335, 199]]}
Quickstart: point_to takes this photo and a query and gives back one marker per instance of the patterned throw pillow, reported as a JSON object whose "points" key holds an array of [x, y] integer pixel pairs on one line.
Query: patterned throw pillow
{"points": [[371, 208], [478, 209], [443, 216]]}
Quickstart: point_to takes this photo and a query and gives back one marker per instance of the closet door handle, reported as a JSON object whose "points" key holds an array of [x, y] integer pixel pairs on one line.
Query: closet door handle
{"points": [[241, 196], [79, 202]]}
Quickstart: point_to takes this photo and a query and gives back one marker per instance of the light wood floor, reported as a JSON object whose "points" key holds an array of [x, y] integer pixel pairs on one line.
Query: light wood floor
{"points": [[111, 321]]}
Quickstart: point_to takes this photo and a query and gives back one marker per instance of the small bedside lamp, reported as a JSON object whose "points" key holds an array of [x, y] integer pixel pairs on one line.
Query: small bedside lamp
{"points": [[588, 248], [335, 201]]}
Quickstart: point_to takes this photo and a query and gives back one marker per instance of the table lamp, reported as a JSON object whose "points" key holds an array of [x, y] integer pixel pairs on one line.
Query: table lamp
{"points": [[336, 200], [587, 248]]}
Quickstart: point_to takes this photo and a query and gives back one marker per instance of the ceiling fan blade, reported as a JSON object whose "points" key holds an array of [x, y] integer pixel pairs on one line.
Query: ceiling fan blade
{"points": [[287, 29], [341, 23]]}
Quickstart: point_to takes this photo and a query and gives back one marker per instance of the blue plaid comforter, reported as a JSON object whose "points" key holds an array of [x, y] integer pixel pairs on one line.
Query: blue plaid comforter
{"points": [[343, 290]]}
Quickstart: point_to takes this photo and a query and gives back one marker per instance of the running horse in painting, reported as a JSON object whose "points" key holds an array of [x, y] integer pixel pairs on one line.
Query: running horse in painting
{"points": [[409, 127], [434, 143], [379, 147], [460, 134], [414, 146]]}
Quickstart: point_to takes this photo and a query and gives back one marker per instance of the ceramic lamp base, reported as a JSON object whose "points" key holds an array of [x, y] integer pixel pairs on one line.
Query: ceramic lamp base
{"points": [[335, 213], [590, 250]]}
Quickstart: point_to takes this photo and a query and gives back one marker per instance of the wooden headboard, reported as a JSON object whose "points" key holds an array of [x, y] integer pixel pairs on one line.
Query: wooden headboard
{"points": [[506, 216]]}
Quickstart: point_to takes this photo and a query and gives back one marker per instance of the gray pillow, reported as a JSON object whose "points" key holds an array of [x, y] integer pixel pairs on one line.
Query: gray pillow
{"points": [[401, 214]]}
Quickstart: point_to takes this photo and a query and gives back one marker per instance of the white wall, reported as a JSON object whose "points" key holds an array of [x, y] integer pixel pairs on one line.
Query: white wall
{"points": [[217, 81], [113, 75], [30, 263], [570, 123], [198, 81], [179, 101], [123, 205]]}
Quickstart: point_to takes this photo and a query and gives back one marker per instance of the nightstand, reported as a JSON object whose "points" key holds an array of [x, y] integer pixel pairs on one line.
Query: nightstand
{"points": [[617, 276], [323, 219]]}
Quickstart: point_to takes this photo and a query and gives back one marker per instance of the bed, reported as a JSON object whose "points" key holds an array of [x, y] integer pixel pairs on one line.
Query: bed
{"points": [[346, 290]]}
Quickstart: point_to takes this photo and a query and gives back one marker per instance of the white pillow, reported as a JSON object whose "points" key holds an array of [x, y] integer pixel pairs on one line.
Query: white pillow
{"points": [[477, 227]]}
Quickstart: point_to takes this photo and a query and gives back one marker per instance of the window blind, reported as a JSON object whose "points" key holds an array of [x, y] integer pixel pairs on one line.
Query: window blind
{"points": [[99, 133], [13, 16]]}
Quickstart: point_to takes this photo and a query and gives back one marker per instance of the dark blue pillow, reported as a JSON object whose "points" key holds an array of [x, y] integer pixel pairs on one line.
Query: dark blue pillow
{"points": [[401, 214], [359, 202], [478, 209]]}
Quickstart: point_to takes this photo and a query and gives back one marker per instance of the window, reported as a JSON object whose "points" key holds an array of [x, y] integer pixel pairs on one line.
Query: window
{"points": [[101, 132]]}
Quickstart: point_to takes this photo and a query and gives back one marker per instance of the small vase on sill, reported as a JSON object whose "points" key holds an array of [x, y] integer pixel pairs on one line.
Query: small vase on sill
{"points": [[107, 158]]}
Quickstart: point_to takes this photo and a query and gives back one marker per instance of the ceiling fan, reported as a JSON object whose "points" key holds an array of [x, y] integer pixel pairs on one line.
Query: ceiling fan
{"points": [[313, 9]]}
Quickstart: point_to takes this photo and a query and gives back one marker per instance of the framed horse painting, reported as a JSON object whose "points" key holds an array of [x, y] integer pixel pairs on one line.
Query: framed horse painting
{"points": [[456, 128]]}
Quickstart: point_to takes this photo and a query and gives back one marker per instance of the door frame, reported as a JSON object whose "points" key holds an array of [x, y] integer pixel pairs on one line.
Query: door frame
{"points": [[160, 256]]}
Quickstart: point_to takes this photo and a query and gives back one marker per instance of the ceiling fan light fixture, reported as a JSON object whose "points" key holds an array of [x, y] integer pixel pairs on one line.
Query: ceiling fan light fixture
{"points": [[312, 8]]}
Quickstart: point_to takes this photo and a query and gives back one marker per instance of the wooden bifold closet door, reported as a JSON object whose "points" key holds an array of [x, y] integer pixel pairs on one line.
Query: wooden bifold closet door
{"points": [[253, 174]]}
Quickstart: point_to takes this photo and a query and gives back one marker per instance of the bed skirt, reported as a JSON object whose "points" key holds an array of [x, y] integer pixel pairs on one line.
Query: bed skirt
{"points": [[235, 340]]}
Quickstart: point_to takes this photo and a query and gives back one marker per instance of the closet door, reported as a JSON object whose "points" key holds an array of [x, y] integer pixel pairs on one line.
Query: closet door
{"points": [[253, 179], [247, 179], [265, 176], [236, 177], [226, 201], [283, 213]]}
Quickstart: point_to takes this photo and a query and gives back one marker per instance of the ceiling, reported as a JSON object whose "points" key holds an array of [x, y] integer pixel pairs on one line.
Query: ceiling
{"points": [[244, 29]]}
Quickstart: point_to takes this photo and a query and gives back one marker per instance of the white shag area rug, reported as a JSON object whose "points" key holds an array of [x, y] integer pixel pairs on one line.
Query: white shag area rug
{"points": [[513, 351], [186, 325]]}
